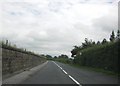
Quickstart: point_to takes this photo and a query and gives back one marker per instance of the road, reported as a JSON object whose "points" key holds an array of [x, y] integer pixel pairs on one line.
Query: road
{"points": [[59, 73]]}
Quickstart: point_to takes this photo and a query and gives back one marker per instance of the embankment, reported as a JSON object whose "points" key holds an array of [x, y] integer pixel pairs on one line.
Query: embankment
{"points": [[13, 60]]}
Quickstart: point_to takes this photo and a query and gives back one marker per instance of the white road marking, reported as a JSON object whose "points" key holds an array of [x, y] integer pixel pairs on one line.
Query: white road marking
{"points": [[61, 68], [65, 72], [68, 75], [74, 80]]}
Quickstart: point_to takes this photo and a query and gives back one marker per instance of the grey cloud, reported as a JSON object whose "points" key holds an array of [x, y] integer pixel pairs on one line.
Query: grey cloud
{"points": [[55, 26], [108, 22]]}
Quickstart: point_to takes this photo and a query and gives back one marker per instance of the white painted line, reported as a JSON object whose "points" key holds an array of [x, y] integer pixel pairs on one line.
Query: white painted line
{"points": [[74, 80], [68, 75], [58, 66], [64, 71], [61, 68]]}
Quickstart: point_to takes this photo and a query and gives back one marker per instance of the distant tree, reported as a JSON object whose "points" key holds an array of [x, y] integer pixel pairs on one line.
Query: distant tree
{"points": [[118, 35], [42, 55], [112, 37], [98, 42], [55, 57], [104, 41], [48, 56], [63, 56], [6, 42], [93, 42]]}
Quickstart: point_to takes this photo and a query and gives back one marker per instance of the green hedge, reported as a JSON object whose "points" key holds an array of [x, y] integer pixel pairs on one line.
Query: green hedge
{"points": [[102, 56]]}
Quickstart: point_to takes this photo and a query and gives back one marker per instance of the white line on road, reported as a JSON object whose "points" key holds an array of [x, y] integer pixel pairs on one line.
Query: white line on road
{"points": [[68, 75], [74, 80], [65, 72], [61, 68]]}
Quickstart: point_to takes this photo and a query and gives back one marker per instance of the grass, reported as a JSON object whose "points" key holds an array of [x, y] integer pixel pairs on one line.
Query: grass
{"points": [[94, 69]]}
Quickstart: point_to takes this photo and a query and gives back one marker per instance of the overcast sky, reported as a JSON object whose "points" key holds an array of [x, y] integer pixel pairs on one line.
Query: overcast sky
{"points": [[55, 26]]}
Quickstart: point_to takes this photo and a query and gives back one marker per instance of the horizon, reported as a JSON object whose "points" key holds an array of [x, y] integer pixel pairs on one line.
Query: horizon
{"points": [[53, 27]]}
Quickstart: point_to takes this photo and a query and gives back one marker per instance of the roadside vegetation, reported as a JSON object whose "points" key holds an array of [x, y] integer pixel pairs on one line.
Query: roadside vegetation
{"points": [[98, 56], [7, 45]]}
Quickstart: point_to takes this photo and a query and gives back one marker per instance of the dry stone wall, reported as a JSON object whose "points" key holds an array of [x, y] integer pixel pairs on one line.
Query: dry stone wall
{"points": [[13, 61]]}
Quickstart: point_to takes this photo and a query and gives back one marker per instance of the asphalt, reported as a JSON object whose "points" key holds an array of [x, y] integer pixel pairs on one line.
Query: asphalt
{"points": [[49, 74], [59, 73], [17, 78], [89, 77]]}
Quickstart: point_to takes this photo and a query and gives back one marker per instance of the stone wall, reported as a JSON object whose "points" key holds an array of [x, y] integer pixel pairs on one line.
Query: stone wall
{"points": [[13, 61]]}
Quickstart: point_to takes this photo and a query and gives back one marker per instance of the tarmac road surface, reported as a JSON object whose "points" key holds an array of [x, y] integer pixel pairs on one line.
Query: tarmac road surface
{"points": [[59, 73]]}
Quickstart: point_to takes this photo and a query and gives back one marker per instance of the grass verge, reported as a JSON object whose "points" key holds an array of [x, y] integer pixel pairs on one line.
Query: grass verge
{"points": [[94, 69]]}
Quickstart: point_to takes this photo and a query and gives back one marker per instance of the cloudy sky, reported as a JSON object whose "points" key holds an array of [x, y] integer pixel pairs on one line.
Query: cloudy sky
{"points": [[55, 26]]}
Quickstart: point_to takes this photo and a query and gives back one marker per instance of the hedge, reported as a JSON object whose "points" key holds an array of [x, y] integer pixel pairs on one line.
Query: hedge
{"points": [[102, 56]]}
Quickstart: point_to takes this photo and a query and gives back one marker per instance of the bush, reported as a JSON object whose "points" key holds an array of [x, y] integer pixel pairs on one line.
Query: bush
{"points": [[64, 60], [102, 56]]}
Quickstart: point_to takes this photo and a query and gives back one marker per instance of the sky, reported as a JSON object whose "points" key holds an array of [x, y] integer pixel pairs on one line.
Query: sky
{"points": [[54, 26]]}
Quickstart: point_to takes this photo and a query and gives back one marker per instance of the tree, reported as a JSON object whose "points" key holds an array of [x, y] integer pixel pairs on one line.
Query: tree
{"points": [[104, 41], [112, 37], [55, 57], [63, 56], [88, 43], [98, 43], [74, 51], [93, 43], [6, 42], [118, 35], [48, 57]]}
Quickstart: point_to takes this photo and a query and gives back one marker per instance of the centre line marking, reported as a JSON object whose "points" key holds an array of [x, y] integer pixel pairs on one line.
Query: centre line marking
{"points": [[74, 80], [68, 75], [60, 67], [64, 71]]}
